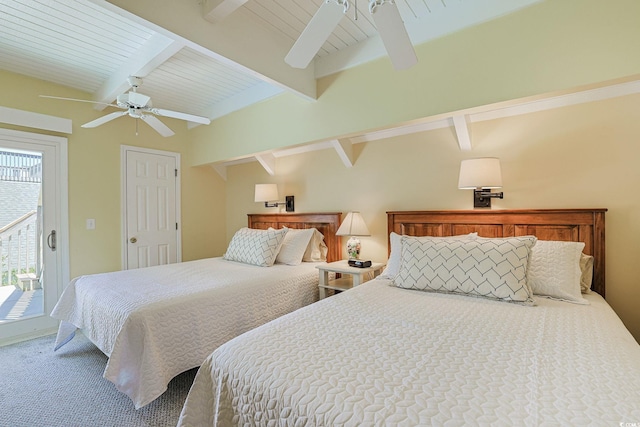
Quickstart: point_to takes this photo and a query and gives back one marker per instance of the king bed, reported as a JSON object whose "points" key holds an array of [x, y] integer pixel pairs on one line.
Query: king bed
{"points": [[157, 322], [498, 318]]}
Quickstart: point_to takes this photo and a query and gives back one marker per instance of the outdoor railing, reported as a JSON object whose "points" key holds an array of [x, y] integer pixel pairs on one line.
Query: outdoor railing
{"points": [[19, 248], [20, 167]]}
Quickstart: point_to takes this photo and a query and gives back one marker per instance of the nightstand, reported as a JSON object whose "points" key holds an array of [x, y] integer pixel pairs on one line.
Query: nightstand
{"points": [[358, 275]]}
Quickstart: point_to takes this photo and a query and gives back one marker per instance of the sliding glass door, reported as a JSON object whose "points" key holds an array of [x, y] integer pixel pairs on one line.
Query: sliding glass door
{"points": [[33, 264]]}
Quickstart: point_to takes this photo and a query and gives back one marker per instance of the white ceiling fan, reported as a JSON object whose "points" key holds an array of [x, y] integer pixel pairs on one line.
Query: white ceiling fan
{"points": [[388, 22], [138, 106]]}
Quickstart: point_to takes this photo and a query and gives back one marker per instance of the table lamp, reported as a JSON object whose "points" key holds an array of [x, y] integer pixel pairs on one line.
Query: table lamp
{"points": [[353, 226]]}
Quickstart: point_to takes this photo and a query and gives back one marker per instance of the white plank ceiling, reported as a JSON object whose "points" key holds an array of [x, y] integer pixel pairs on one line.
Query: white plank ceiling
{"points": [[93, 46]]}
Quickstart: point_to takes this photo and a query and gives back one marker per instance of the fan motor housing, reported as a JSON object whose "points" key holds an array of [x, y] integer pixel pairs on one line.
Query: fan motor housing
{"points": [[133, 100]]}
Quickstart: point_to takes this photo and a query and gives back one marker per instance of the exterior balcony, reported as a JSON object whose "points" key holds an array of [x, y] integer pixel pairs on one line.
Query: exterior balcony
{"points": [[20, 235]]}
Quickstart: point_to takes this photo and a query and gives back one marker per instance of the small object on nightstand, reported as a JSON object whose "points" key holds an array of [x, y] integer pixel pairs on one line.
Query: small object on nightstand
{"points": [[359, 263]]}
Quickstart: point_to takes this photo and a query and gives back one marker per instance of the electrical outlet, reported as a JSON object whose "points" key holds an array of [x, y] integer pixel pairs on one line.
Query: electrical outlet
{"points": [[91, 224]]}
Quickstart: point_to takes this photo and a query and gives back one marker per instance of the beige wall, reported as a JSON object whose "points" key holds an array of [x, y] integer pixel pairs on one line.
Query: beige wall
{"points": [[581, 156], [94, 177]]}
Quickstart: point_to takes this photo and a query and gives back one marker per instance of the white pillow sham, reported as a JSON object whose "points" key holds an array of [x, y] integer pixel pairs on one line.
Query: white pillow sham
{"points": [[256, 247], [294, 246], [490, 268], [317, 248], [395, 239], [555, 271], [586, 277]]}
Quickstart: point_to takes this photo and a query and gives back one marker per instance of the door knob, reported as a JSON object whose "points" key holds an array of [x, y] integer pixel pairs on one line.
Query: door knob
{"points": [[133, 240]]}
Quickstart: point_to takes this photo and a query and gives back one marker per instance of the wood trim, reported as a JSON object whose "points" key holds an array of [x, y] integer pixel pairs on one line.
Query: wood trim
{"points": [[326, 223], [578, 225], [33, 120]]}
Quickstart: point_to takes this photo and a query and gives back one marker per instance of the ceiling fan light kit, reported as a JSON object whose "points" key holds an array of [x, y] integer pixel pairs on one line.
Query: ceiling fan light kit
{"points": [[138, 106], [388, 22]]}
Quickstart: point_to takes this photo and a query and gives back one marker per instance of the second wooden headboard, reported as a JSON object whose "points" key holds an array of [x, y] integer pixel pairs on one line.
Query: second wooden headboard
{"points": [[326, 223], [575, 225]]}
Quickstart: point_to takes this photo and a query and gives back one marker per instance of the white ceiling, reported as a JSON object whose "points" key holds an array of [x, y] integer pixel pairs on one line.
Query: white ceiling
{"points": [[93, 46]]}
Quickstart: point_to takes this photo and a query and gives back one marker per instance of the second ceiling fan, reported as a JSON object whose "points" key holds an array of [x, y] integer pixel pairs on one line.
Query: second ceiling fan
{"points": [[388, 22], [138, 106]]}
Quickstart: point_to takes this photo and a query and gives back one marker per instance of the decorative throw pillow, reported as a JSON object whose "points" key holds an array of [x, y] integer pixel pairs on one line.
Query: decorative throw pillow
{"points": [[555, 272], [586, 276], [317, 249], [395, 239], [490, 268], [257, 247], [294, 246]]}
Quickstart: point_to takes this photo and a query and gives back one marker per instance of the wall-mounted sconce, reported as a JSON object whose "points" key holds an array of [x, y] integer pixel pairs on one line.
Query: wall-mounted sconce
{"points": [[269, 193], [481, 175], [353, 225]]}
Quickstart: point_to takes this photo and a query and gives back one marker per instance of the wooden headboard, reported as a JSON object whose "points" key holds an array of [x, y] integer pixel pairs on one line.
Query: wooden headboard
{"points": [[326, 223], [576, 225]]}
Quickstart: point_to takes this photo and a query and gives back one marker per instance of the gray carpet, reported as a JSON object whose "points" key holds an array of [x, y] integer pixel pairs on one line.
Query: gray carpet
{"points": [[41, 388]]}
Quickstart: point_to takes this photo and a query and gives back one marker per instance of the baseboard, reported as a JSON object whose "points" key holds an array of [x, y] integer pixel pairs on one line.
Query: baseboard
{"points": [[27, 337]]}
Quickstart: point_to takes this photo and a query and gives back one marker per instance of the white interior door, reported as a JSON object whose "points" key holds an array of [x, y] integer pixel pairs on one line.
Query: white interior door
{"points": [[152, 207], [29, 315]]}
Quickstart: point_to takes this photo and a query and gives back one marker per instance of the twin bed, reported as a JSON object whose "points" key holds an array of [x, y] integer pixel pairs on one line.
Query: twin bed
{"points": [[431, 342], [157, 322]]}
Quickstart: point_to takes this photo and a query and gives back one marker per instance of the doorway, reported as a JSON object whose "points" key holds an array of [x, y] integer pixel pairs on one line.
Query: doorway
{"points": [[151, 214], [33, 230]]}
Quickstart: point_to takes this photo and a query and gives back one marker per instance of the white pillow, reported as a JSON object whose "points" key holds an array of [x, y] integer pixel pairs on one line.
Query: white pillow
{"points": [[294, 246], [555, 272], [490, 268], [257, 247], [586, 278], [395, 239], [317, 248]]}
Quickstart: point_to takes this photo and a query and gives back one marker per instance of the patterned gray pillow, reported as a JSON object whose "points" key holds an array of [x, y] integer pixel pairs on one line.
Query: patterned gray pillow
{"points": [[257, 247], [490, 268]]}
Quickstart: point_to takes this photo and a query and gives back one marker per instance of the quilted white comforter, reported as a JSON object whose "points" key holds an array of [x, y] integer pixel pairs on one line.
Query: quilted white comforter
{"points": [[378, 355], [157, 322]]}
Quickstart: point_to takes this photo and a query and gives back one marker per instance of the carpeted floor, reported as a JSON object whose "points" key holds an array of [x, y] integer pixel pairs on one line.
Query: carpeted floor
{"points": [[41, 388]]}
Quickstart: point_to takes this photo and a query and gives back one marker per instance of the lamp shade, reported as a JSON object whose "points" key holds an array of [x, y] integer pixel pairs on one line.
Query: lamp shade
{"points": [[353, 225], [266, 192], [480, 173]]}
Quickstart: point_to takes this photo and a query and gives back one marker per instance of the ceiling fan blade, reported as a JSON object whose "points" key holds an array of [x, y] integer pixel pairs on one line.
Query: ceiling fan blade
{"points": [[181, 116], [104, 119], [394, 35], [156, 124], [316, 33], [77, 100]]}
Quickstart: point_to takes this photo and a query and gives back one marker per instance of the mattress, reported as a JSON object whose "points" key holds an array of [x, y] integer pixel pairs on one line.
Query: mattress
{"points": [[157, 322], [379, 355]]}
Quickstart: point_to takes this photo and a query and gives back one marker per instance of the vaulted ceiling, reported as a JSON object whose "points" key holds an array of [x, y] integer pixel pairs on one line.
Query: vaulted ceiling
{"points": [[94, 45]]}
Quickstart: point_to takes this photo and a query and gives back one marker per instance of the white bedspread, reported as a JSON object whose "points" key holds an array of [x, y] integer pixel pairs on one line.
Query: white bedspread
{"points": [[157, 322], [378, 355]]}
